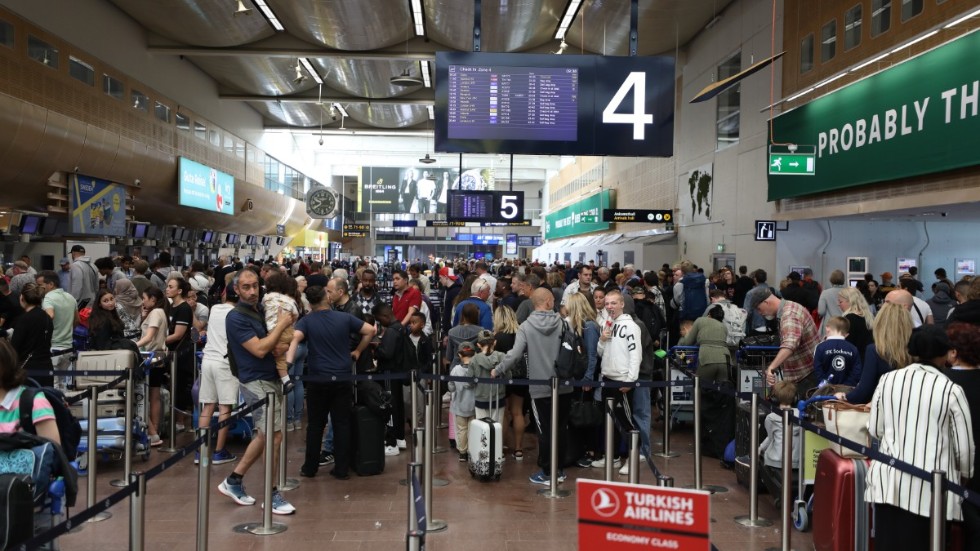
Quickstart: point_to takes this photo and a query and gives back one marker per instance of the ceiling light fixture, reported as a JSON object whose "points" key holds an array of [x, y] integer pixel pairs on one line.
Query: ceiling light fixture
{"points": [[432, 111], [267, 12], [300, 77], [962, 19], [242, 10], [418, 18], [406, 79], [869, 62], [309, 68], [424, 69], [915, 41], [427, 160], [801, 94], [566, 20]]}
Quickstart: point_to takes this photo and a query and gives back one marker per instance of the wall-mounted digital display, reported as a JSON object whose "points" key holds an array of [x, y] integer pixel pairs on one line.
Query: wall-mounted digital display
{"points": [[208, 237], [528, 240], [486, 206], [151, 232], [510, 246], [30, 224], [203, 187], [232, 238], [414, 190], [266, 241], [139, 230], [554, 105], [49, 226], [250, 240]]}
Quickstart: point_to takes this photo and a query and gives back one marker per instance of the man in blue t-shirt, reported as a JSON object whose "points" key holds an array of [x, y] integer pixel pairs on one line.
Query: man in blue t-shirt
{"points": [[253, 350], [327, 334]]}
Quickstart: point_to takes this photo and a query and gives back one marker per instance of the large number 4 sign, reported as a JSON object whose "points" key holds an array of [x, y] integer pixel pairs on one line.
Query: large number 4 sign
{"points": [[639, 118]]}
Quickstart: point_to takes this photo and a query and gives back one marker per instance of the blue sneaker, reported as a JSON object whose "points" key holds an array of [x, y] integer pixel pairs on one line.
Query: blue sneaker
{"points": [[221, 457], [237, 493], [279, 504], [540, 478]]}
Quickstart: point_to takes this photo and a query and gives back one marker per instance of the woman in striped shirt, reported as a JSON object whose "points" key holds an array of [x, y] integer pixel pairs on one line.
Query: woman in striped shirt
{"points": [[12, 379], [922, 418]]}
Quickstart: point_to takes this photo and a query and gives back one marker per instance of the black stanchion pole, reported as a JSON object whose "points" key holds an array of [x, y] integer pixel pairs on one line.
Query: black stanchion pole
{"points": [[92, 454], [552, 492], [137, 513], [937, 525], [610, 437], [267, 527], [128, 437], [753, 520]]}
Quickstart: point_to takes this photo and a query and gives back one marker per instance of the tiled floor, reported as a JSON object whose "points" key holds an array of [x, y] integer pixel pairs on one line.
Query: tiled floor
{"points": [[364, 514]]}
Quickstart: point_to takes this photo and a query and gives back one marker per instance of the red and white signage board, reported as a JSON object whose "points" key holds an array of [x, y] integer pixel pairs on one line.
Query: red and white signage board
{"points": [[614, 516]]}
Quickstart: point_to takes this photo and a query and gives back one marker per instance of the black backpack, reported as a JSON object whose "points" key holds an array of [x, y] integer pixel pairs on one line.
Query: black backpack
{"points": [[572, 362], [68, 427]]}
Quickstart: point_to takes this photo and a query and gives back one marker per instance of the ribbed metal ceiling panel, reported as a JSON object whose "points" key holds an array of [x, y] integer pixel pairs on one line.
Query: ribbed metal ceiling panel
{"points": [[209, 24]]}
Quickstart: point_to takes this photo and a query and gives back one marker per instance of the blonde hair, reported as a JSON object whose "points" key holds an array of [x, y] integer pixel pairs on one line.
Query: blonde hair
{"points": [[580, 310], [856, 304], [892, 329], [505, 320], [784, 392]]}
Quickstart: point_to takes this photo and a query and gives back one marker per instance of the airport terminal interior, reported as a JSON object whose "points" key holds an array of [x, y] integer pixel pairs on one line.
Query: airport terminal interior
{"points": [[800, 138]]}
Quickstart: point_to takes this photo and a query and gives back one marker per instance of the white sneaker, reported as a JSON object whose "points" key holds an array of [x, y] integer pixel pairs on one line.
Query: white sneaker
{"points": [[402, 445], [446, 398], [391, 450], [625, 470], [601, 463]]}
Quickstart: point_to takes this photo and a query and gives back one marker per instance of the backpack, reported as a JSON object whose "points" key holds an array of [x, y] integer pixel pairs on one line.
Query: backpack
{"points": [[734, 322], [695, 297], [68, 427], [572, 362], [373, 396]]}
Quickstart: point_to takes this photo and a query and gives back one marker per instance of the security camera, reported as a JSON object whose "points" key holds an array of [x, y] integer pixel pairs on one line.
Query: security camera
{"points": [[321, 141], [333, 117], [75, 170], [138, 182]]}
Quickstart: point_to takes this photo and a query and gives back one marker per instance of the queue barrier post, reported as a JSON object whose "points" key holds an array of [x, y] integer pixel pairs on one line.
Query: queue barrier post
{"points": [[137, 512], [698, 460], [267, 527], [203, 488], [634, 459], [92, 453], [432, 524], [552, 492], [753, 520], [610, 451], [937, 523], [666, 414], [128, 437], [415, 537], [787, 498]]}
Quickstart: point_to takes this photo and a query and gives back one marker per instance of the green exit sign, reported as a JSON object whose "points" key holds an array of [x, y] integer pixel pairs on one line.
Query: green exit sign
{"points": [[792, 164], [588, 219]]}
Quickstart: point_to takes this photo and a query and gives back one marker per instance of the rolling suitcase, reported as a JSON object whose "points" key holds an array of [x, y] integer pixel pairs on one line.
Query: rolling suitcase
{"points": [[368, 439], [16, 510], [101, 360], [841, 517], [486, 448]]}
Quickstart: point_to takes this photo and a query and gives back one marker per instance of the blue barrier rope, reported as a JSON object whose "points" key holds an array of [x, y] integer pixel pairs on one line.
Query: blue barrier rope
{"points": [[82, 372], [562, 382]]}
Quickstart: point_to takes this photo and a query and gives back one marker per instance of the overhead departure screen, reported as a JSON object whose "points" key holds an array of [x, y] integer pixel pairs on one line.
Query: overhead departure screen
{"points": [[513, 103]]}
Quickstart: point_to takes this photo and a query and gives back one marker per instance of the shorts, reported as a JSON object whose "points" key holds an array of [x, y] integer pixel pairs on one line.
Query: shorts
{"points": [[523, 391], [253, 392], [218, 385]]}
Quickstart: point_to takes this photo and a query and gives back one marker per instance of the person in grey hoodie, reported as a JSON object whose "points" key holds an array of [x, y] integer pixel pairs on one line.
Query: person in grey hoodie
{"points": [[84, 276], [540, 337]]}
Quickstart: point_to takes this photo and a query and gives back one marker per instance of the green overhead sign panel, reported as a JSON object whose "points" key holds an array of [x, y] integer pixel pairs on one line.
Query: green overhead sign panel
{"points": [[582, 217], [919, 117]]}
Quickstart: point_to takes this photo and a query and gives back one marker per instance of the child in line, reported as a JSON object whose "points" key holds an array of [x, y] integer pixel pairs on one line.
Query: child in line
{"points": [[462, 403], [280, 291], [771, 448], [837, 361], [489, 397]]}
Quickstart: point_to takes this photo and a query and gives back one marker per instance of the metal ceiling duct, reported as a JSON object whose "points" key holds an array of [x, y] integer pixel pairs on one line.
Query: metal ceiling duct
{"points": [[388, 115], [210, 24], [294, 114], [264, 76], [506, 25], [364, 78], [345, 24]]}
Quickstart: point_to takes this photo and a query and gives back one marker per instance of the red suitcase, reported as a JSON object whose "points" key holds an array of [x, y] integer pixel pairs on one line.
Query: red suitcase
{"points": [[841, 517]]}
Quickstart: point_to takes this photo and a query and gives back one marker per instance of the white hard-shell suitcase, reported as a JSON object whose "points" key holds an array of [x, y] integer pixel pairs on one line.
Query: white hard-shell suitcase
{"points": [[486, 448]]}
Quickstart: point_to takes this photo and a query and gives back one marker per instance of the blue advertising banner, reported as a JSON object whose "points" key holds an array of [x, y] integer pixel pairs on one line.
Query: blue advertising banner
{"points": [[98, 207], [203, 187]]}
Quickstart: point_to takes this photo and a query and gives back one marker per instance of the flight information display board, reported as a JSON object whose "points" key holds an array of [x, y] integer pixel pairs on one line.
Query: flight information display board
{"points": [[513, 103], [554, 105]]}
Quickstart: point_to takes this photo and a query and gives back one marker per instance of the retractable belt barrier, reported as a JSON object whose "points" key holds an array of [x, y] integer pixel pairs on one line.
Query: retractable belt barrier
{"points": [[80, 518]]}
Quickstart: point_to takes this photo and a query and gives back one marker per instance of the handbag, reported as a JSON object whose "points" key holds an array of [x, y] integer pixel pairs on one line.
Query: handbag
{"points": [[849, 421], [519, 371], [585, 413]]}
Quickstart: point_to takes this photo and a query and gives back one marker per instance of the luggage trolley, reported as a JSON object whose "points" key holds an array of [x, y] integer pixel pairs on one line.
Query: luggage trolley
{"points": [[803, 506], [683, 362], [752, 362]]}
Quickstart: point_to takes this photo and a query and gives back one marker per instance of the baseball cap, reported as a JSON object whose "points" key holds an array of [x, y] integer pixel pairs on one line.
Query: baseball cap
{"points": [[65, 260], [758, 298], [78, 249], [464, 346], [446, 271]]}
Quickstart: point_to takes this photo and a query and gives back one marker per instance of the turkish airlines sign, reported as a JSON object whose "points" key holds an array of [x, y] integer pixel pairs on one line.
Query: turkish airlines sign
{"points": [[615, 516]]}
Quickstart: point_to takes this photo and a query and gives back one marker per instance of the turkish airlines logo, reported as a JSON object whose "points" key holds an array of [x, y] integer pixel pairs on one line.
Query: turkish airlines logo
{"points": [[605, 502]]}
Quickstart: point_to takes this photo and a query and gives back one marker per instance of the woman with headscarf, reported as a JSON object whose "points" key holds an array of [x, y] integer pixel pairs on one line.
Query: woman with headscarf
{"points": [[129, 306]]}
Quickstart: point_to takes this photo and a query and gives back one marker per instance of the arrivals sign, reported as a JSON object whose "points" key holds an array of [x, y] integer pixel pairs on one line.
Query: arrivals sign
{"points": [[578, 218], [919, 117], [614, 516]]}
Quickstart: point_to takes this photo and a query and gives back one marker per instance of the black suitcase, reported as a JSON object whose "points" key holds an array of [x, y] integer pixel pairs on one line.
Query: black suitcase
{"points": [[742, 436], [368, 442], [717, 420], [17, 506]]}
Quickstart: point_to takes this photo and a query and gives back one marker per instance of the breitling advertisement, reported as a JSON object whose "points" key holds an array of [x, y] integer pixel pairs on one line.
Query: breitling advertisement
{"points": [[415, 190]]}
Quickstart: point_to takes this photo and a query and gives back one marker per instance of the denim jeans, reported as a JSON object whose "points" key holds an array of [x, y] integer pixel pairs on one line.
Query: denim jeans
{"points": [[328, 437], [294, 401], [641, 414]]}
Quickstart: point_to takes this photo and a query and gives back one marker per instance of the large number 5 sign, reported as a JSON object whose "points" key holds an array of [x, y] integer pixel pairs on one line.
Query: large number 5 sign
{"points": [[509, 209], [639, 118]]}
